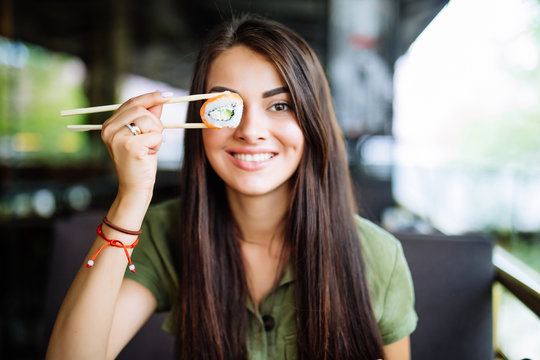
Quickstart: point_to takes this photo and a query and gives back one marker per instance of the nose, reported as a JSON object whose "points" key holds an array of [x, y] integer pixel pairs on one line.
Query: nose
{"points": [[253, 127]]}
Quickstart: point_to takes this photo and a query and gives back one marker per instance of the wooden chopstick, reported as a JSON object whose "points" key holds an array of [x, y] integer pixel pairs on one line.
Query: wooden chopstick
{"points": [[174, 100], [167, 126]]}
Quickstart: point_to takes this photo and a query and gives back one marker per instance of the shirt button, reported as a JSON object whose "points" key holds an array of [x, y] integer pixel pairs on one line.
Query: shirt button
{"points": [[269, 322]]}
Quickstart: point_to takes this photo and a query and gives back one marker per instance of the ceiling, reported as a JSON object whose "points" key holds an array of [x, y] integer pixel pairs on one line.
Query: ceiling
{"points": [[159, 39]]}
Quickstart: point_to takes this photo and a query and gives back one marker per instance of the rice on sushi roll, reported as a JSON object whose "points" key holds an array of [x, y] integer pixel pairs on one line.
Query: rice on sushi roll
{"points": [[222, 111]]}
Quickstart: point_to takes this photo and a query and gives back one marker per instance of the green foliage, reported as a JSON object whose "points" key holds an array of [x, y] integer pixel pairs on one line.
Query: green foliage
{"points": [[513, 139], [525, 246], [34, 86]]}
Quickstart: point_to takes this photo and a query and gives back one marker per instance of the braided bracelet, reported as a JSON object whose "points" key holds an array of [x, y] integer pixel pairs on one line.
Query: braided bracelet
{"points": [[116, 243]]}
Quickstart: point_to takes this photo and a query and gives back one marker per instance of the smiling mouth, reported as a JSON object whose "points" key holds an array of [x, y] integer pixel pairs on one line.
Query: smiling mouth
{"points": [[254, 157]]}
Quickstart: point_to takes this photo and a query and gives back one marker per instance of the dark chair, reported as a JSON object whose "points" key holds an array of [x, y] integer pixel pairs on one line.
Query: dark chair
{"points": [[453, 277]]}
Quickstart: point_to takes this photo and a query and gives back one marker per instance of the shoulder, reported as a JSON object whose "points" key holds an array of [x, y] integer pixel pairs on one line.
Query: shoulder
{"points": [[379, 247], [389, 281]]}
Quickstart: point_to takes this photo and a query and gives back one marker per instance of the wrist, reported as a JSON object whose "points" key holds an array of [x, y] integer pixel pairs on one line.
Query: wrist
{"points": [[129, 198], [114, 243], [128, 211]]}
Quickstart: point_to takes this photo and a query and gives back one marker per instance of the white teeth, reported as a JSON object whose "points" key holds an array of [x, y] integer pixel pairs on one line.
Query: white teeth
{"points": [[254, 157]]}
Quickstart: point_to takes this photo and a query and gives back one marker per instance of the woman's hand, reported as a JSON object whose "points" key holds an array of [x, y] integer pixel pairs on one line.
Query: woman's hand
{"points": [[135, 156]]}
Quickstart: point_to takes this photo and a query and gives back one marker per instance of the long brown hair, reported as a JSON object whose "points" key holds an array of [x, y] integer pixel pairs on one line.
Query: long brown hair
{"points": [[334, 315]]}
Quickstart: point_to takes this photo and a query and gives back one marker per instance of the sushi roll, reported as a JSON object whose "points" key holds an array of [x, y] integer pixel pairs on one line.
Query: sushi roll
{"points": [[223, 111]]}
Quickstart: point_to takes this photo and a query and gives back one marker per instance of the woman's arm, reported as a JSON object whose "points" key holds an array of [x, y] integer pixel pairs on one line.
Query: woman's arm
{"points": [[101, 311], [134, 306], [400, 350]]}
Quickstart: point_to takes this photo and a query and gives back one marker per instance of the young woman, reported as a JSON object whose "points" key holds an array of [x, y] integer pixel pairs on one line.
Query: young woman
{"points": [[263, 255]]}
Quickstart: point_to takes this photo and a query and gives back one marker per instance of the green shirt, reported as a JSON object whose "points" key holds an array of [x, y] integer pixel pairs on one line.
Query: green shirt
{"points": [[387, 273]]}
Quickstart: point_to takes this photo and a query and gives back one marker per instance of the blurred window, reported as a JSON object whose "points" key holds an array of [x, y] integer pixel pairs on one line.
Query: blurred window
{"points": [[466, 120], [467, 127]]}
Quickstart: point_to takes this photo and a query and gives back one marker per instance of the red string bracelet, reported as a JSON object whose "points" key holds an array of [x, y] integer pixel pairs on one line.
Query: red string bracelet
{"points": [[116, 243]]}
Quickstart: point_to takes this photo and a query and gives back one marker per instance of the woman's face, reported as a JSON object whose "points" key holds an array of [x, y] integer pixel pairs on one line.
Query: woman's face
{"points": [[262, 153]]}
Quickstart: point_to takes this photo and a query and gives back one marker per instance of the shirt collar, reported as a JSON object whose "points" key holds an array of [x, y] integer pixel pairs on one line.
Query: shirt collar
{"points": [[288, 275], [286, 278]]}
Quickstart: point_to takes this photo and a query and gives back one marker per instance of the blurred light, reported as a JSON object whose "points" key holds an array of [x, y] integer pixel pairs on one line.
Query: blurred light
{"points": [[44, 203], [69, 142], [378, 156], [378, 150], [6, 148], [14, 54], [26, 142], [78, 197], [21, 205], [5, 210], [523, 53], [73, 72]]}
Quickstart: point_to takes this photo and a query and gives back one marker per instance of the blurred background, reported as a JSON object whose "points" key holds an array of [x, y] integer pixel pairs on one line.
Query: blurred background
{"points": [[438, 101]]}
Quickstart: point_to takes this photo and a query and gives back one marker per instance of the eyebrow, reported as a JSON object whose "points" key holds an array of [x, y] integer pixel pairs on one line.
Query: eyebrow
{"points": [[276, 91], [265, 94]]}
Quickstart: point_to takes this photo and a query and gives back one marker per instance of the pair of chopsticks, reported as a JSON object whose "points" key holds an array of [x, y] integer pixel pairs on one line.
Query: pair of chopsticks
{"points": [[98, 109]]}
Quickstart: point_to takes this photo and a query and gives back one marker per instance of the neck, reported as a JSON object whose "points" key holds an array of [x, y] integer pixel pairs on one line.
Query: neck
{"points": [[260, 218]]}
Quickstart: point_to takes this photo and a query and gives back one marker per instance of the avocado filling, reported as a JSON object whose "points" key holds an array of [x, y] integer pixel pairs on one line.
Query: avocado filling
{"points": [[224, 113]]}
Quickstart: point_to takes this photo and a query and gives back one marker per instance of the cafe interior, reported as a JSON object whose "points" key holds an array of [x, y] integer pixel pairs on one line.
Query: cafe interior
{"points": [[437, 101]]}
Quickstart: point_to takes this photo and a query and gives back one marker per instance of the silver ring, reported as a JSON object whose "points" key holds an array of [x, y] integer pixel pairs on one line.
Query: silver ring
{"points": [[135, 130]]}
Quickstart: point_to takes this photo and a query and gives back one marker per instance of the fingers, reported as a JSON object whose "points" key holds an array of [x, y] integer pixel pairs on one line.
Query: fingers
{"points": [[144, 111], [141, 112], [150, 104], [152, 142], [151, 101], [136, 147], [122, 142], [156, 110], [146, 123], [144, 119]]}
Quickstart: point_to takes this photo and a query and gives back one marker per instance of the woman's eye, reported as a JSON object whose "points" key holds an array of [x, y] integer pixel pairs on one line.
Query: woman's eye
{"points": [[280, 107]]}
